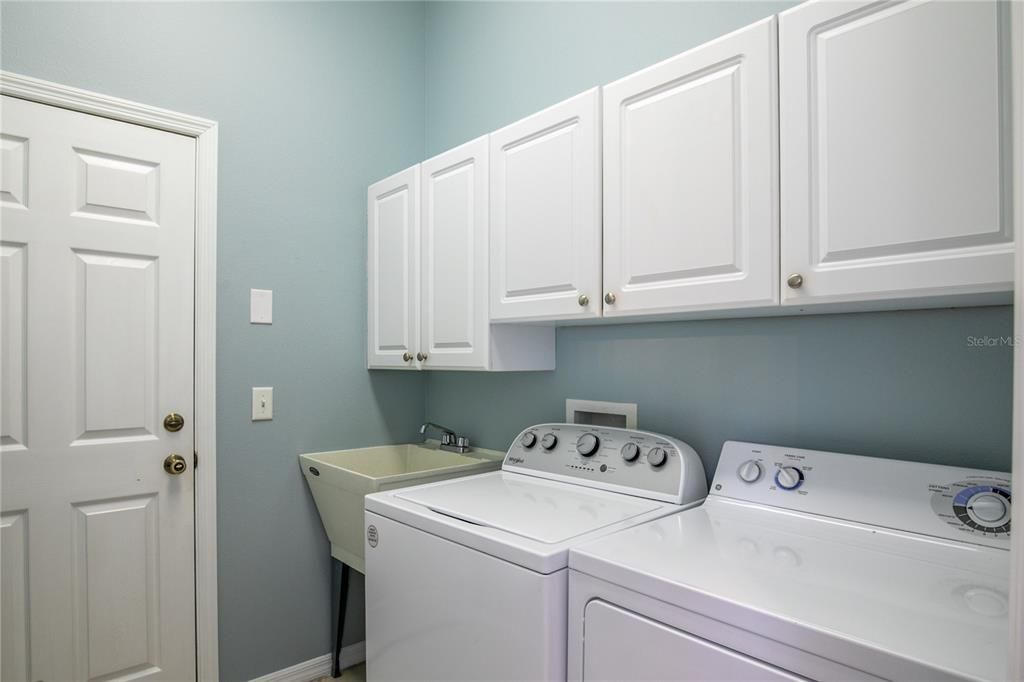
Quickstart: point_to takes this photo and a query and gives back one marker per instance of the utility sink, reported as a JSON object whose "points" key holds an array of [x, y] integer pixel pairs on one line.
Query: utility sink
{"points": [[341, 479]]}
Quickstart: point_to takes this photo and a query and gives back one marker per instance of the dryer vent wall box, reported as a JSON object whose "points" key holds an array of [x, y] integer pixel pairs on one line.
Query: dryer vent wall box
{"points": [[600, 413]]}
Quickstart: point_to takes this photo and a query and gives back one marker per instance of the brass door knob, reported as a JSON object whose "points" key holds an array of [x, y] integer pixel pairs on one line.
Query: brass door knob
{"points": [[174, 422], [407, 356], [175, 465], [421, 357], [583, 300], [795, 281], [609, 298]]}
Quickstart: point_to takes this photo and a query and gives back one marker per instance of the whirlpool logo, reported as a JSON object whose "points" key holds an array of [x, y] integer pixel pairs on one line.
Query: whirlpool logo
{"points": [[516, 460]]}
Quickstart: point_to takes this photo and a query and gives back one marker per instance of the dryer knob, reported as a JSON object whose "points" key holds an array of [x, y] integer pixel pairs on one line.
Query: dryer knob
{"points": [[749, 471], [988, 508], [528, 440], [630, 451], [549, 441], [789, 478], [587, 444], [657, 457]]}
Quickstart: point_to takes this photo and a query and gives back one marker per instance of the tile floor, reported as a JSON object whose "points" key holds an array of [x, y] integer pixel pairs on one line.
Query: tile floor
{"points": [[356, 673]]}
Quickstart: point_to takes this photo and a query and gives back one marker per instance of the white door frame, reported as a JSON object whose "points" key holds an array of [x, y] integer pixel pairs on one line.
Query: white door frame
{"points": [[205, 133], [1016, 668]]}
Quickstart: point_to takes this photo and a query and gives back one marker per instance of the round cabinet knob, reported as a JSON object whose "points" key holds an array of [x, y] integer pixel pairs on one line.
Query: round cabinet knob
{"points": [[630, 451], [749, 471], [407, 356], [657, 457], [583, 300], [795, 281], [528, 439], [989, 508], [609, 298], [587, 444], [789, 478], [549, 441], [422, 357]]}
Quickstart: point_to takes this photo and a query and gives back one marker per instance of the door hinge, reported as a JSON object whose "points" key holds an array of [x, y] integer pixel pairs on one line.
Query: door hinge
{"points": [[195, 460]]}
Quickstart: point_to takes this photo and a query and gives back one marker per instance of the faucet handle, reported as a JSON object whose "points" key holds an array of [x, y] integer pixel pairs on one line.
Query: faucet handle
{"points": [[447, 438], [462, 442]]}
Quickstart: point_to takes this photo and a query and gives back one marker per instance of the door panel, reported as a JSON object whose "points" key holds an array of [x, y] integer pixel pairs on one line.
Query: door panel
{"points": [[545, 247], [454, 320], [895, 123], [97, 345], [690, 146], [393, 271]]}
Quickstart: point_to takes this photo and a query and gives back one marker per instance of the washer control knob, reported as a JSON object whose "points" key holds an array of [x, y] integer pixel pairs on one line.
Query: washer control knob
{"points": [[657, 457], [528, 439], [549, 441], [789, 478], [630, 451], [989, 508], [749, 471], [587, 444]]}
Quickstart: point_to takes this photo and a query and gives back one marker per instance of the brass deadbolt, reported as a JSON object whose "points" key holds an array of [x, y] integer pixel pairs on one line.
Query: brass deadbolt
{"points": [[174, 422]]}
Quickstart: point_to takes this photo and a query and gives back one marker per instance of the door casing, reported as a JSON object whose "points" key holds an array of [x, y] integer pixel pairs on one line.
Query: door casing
{"points": [[205, 133]]}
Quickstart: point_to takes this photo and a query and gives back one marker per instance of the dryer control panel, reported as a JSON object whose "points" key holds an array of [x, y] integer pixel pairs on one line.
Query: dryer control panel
{"points": [[635, 462], [968, 505]]}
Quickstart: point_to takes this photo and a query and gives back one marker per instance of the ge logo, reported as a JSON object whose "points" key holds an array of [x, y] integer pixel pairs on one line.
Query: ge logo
{"points": [[718, 486], [371, 535]]}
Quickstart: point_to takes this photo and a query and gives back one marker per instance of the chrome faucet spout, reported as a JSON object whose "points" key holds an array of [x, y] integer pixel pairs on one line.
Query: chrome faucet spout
{"points": [[450, 440]]}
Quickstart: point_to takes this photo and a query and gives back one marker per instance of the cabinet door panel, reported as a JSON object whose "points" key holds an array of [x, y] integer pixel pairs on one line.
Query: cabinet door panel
{"points": [[545, 213], [895, 122], [454, 322], [393, 271], [690, 179]]}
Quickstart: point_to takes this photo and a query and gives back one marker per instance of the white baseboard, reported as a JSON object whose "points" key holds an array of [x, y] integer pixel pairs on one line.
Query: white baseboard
{"points": [[318, 667]]}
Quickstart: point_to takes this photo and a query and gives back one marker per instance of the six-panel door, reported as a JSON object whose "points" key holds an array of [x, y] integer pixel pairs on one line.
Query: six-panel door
{"points": [[96, 278], [690, 180], [392, 269], [546, 214], [896, 176], [453, 236]]}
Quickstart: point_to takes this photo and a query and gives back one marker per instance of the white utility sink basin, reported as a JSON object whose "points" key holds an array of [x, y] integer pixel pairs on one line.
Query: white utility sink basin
{"points": [[342, 478]]}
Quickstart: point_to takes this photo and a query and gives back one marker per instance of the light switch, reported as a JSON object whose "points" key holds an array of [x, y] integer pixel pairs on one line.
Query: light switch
{"points": [[261, 306], [262, 403]]}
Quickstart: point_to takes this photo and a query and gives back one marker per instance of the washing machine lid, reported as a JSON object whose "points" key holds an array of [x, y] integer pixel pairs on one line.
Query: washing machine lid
{"points": [[543, 511], [894, 604]]}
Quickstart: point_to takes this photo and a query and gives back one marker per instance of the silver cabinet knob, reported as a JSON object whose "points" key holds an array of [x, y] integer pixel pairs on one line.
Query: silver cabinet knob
{"points": [[407, 356], [583, 300], [609, 298], [795, 281], [421, 357]]}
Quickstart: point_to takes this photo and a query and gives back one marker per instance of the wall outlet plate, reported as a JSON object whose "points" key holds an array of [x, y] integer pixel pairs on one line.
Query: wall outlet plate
{"points": [[261, 306], [262, 403]]}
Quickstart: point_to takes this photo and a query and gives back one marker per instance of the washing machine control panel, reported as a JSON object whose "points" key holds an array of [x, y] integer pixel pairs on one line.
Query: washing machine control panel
{"points": [[948, 502], [624, 460]]}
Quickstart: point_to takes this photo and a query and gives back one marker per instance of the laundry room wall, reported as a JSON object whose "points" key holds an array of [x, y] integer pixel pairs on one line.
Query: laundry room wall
{"points": [[915, 385], [315, 101]]}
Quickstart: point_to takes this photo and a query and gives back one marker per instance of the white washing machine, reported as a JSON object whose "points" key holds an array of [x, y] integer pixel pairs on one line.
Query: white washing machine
{"points": [[467, 579], [804, 565]]}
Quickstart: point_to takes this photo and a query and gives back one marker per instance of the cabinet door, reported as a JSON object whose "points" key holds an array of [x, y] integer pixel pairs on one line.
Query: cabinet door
{"points": [[691, 180], [895, 124], [453, 235], [392, 268], [545, 250]]}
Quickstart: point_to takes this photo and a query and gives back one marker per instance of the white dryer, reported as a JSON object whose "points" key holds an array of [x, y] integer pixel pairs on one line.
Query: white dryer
{"points": [[804, 565], [467, 579]]}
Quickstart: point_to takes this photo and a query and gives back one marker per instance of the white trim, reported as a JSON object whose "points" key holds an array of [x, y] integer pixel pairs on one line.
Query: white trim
{"points": [[314, 668], [205, 133], [1016, 615]]}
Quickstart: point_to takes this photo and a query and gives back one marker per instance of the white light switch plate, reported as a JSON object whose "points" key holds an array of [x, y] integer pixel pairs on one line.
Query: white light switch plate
{"points": [[262, 403], [261, 306]]}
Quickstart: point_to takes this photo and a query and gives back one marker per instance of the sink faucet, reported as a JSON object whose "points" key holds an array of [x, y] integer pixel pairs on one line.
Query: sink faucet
{"points": [[450, 441]]}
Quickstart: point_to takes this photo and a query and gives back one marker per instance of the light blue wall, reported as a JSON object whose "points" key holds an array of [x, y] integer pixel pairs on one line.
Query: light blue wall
{"points": [[314, 101], [902, 384]]}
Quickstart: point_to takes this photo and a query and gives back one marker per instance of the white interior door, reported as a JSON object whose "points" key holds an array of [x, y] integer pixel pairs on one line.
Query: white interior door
{"points": [[453, 243], [97, 346], [691, 180], [392, 269], [546, 213], [895, 157]]}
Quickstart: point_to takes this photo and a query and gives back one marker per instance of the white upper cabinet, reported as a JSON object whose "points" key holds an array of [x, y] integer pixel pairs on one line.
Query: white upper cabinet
{"points": [[691, 180], [393, 207], [545, 251], [453, 241], [895, 131]]}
